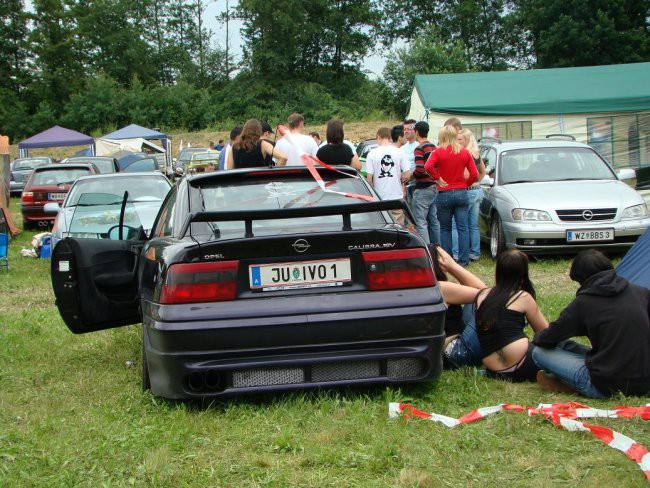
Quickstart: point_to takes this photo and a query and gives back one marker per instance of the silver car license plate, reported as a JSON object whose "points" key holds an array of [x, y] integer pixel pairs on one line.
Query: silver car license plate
{"points": [[590, 235], [300, 274]]}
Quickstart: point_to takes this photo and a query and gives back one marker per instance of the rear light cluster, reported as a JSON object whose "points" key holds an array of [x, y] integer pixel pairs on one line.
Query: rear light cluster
{"points": [[200, 282], [403, 268], [27, 197]]}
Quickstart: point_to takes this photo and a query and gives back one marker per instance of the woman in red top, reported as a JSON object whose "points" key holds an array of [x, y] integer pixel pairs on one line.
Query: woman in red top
{"points": [[447, 164]]}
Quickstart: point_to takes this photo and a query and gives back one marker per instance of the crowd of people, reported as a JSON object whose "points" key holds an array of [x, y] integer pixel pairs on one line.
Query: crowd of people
{"points": [[485, 326]]}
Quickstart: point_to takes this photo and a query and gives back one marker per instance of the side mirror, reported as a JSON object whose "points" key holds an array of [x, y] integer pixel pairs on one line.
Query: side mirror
{"points": [[627, 176], [487, 181], [52, 207]]}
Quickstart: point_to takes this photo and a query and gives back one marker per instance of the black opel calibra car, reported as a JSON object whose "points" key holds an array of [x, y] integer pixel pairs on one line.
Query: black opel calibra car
{"points": [[258, 280]]}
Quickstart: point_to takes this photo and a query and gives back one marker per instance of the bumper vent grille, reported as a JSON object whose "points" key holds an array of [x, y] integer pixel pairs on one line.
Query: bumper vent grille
{"points": [[266, 377], [586, 214], [350, 370], [405, 368]]}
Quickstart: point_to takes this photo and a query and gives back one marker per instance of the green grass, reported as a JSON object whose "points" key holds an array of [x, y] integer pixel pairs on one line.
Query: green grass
{"points": [[72, 414]]}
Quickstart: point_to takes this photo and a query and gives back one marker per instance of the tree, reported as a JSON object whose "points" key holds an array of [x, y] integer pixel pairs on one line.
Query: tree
{"points": [[428, 53], [13, 45], [579, 33]]}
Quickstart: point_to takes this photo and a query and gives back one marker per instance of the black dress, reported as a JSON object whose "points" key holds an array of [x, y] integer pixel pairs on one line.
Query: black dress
{"points": [[333, 154], [249, 159]]}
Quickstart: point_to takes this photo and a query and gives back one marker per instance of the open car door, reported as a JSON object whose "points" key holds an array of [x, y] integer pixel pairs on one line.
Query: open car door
{"points": [[95, 280]]}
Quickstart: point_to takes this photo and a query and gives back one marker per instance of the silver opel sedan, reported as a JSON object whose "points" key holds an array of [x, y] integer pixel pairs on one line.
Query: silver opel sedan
{"points": [[550, 195]]}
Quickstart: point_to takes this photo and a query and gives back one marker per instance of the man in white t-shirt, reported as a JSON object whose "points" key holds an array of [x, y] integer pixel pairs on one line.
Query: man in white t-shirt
{"points": [[305, 143], [386, 169]]}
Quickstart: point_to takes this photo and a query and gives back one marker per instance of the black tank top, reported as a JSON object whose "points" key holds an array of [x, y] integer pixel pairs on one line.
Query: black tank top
{"points": [[249, 159], [508, 328]]}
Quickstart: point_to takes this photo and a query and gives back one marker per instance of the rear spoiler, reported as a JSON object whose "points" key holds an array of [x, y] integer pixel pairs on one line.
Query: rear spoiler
{"points": [[248, 216]]}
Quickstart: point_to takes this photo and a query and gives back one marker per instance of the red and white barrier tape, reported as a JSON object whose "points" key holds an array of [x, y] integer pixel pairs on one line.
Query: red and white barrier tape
{"points": [[309, 160], [562, 414]]}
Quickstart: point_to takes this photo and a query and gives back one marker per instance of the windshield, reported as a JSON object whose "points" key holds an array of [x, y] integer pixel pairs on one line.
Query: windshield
{"points": [[141, 165], [28, 164], [104, 165], [552, 164], [277, 192], [58, 176], [140, 188], [205, 157], [96, 214], [186, 153]]}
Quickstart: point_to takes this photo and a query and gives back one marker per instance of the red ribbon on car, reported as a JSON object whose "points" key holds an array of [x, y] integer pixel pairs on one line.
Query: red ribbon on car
{"points": [[561, 414]]}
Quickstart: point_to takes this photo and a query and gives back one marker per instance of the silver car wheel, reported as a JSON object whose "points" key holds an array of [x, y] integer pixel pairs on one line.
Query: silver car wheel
{"points": [[497, 242]]}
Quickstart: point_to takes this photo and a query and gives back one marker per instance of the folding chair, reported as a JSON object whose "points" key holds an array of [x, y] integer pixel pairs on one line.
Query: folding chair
{"points": [[4, 247]]}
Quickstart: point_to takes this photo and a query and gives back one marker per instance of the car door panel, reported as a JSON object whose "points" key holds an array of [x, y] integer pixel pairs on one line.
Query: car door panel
{"points": [[95, 283]]}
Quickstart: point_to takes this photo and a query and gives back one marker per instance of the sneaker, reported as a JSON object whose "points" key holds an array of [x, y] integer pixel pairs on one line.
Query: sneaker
{"points": [[550, 383], [474, 258]]}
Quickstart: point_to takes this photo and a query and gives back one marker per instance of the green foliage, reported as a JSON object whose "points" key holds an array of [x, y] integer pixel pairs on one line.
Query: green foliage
{"points": [[428, 53]]}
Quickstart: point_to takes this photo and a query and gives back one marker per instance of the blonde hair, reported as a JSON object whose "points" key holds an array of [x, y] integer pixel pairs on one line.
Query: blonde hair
{"points": [[447, 137], [472, 145]]}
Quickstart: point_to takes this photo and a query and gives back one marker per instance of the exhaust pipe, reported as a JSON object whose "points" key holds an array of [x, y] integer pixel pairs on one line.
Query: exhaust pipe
{"points": [[196, 381], [43, 223]]}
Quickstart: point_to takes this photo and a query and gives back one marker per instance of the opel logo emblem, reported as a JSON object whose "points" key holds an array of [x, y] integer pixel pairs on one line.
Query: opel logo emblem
{"points": [[587, 215], [301, 245]]}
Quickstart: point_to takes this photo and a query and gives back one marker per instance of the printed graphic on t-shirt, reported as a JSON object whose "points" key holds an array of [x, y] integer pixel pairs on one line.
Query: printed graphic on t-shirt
{"points": [[387, 164]]}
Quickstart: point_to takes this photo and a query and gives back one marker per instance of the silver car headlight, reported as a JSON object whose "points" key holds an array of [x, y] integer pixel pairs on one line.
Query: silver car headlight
{"points": [[635, 212], [529, 215]]}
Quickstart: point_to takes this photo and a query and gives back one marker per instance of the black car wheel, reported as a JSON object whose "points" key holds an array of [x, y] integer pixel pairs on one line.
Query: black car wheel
{"points": [[497, 239], [146, 381]]}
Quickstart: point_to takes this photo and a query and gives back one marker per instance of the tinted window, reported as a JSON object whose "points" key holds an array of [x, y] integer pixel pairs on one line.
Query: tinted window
{"points": [[141, 165], [28, 164], [104, 165], [275, 192], [552, 164], [164, 226], [58, 176], [140, 188]]}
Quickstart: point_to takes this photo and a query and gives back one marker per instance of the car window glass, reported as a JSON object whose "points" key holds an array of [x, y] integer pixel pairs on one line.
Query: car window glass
{"points": [[141, 165], [164, 226], [28, 164], [488, 154], [140, 188], [96, 214], [58, 176], [104, 165], [552, 164], [297, 191]]}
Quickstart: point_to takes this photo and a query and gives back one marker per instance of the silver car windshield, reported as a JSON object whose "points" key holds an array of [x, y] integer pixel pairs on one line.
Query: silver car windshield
{"points": [[269, 192], [141, 188], [552, 164], [97, 213]]}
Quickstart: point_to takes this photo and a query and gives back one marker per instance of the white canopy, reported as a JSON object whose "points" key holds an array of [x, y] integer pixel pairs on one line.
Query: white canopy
{"points": [[105, 147]]}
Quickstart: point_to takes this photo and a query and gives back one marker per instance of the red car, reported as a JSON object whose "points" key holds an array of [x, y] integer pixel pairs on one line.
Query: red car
{"points": [[47, 184]]}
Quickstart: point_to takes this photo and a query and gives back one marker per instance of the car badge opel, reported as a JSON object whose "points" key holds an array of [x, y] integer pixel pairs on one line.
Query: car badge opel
{"points": [[587, 215], [301, 245]]}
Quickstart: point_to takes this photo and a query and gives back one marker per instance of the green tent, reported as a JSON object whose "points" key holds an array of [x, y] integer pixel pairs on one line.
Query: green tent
{"points": [[616, 88]]}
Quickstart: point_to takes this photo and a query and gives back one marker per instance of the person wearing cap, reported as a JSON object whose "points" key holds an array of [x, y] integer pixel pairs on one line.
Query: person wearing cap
{"points": [[269, 136], [304, 144], [336, 151], [425, 192]]}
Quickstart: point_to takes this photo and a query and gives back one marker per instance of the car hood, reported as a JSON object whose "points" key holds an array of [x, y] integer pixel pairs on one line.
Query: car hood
{"points": [[573, 194]]}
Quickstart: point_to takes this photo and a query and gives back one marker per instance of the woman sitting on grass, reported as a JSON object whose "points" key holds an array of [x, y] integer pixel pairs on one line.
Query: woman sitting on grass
{"points": [[501, 315], [461, 342]]}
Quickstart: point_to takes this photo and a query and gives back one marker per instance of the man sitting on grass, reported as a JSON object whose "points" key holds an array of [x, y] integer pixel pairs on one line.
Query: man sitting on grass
{"points": [[613, 314]]}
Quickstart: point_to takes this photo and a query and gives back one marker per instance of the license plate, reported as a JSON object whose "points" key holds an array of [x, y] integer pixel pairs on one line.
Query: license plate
{"points": [[590, 235], [56, 196], [300, 274]]}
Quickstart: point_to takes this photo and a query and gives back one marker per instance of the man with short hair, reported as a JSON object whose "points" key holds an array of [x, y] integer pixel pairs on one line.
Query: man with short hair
{"points": [[425, 191], [219, 146], [223, 155], [397, 136], [269, 136], [386, 169], [409, 148], [455, 123], [303, 143]]}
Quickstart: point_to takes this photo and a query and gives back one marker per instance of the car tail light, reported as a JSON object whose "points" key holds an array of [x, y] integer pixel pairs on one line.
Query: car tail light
{"points": [[404, 268], [200, 282], [27, 197]]}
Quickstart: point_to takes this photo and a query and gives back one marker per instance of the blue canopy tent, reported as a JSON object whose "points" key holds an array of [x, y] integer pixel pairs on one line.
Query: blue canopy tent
{"points": [[135, 131], [56, 136], [635, 265]]}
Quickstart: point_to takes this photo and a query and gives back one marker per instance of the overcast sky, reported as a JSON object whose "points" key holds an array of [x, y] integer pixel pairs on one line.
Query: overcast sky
{"points": [[373, 65]]}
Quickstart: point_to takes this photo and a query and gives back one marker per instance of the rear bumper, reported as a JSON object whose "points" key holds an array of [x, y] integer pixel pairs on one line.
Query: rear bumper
{"points": [[16, 186], [292, 350], [35, 213]]}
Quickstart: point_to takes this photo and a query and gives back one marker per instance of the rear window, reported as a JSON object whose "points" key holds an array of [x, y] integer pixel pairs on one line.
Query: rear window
{"points": [[58, 176], [104, 165], [278, 191], [28, 164], [140, 188], [143, 165]]}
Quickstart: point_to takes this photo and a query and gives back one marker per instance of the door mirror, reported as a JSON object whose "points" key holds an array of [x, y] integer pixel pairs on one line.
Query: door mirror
{"points": [[627, 176], [128, 233], [487, 181], [51, 207]]}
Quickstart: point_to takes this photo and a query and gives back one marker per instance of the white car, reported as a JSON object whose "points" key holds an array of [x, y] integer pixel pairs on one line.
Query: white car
{"points": [[550, 195]]}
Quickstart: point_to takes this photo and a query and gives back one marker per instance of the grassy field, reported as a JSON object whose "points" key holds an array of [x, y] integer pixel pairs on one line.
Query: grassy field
{"points": [[72, 414]]}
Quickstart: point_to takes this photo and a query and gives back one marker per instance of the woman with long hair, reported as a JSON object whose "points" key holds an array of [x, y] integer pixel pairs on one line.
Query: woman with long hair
{"points": [[501, 315], [251, 151], [466, 139], [336, 151], [461, 341], [447, 164]]}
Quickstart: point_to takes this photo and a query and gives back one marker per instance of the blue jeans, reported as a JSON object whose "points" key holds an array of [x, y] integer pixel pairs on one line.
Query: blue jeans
{"points": [[475, 197], [567, 363], [454, 204], [424, 213], [466, 349]]}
